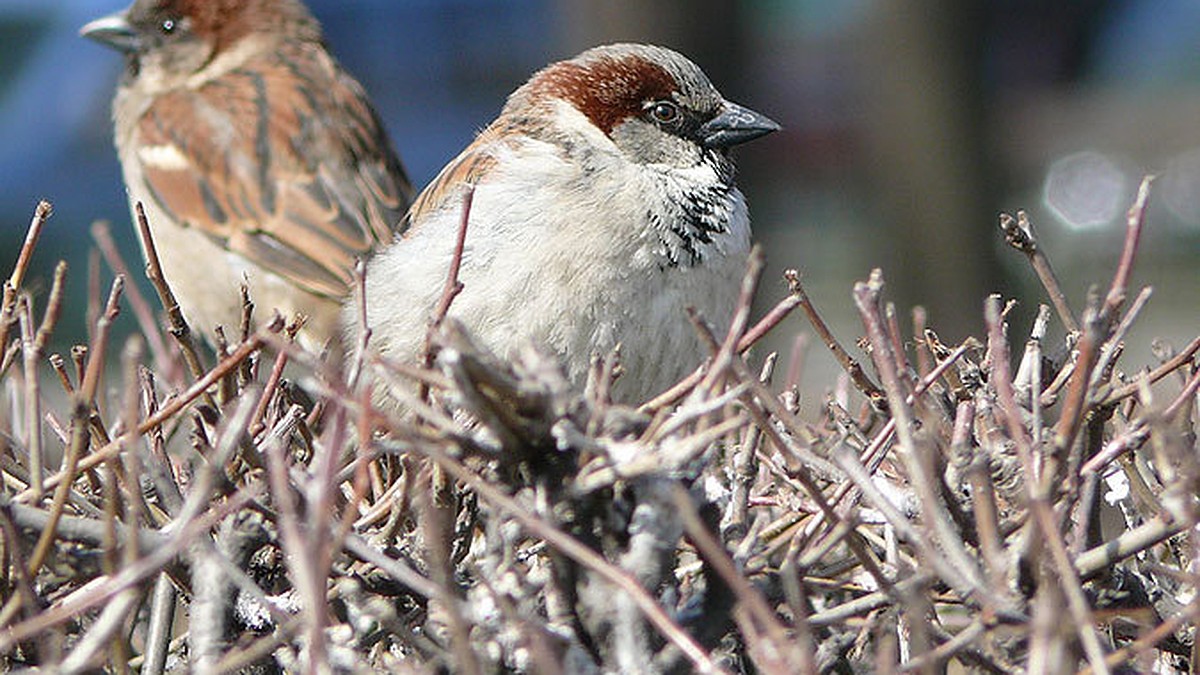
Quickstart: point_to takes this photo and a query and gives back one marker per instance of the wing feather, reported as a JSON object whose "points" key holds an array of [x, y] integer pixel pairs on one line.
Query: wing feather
{"points": [[284, 162], [465, 170]]}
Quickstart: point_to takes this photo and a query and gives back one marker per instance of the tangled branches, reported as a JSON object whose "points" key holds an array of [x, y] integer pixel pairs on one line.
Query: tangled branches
{"points": [[1004, 508]]}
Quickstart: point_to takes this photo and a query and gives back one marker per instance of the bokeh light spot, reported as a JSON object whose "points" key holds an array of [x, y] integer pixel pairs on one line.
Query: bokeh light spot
{"points": [[1179, 187], [1085, 190]]}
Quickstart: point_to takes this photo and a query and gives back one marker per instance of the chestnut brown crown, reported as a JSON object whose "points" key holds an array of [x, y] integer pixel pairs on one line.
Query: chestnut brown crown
{"points": [[627, 82], [149, 25]]}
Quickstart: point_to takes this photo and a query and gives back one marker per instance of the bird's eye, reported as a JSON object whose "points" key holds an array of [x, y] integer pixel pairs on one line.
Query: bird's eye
{"points": [[168, 26], [664, 112]]}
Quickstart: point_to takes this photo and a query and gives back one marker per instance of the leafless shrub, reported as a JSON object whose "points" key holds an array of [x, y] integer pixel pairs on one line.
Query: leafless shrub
{"points": [[944, 507]]}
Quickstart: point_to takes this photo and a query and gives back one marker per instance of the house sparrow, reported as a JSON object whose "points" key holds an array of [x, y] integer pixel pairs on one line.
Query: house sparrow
{"points": [[256, 156], [604, 205]]}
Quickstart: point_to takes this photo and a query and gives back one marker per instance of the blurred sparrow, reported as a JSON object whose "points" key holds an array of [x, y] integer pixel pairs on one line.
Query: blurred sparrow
{"points": [[604, 205], [256, 156]]}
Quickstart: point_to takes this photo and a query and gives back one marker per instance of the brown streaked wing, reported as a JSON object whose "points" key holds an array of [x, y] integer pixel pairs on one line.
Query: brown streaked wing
{"points": [[281, 165], [466, 169]]}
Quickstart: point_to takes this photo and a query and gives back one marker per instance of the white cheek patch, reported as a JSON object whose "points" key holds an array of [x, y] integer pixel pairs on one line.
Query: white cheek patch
{"points": [[165, 157]]}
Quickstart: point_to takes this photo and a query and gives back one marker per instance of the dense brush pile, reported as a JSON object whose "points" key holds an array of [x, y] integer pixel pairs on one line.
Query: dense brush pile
{"points": [[1003, 505]]}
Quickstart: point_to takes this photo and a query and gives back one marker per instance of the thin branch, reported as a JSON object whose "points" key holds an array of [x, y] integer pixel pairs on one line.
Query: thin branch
{"points": [[852, 367], [741, 317], [177, 325], [1134, 221], [84, 402], [963, 573], [41, 214], [1019, 234], [1175, 363], [102, 235], [8, 297], [104, 589], [773, 318], [452, 286], [1129, 543], [33, 398]]}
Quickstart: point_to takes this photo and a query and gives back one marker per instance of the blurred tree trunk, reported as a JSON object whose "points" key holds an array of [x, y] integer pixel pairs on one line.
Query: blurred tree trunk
{"points": [[707, 31], [925, 127]]}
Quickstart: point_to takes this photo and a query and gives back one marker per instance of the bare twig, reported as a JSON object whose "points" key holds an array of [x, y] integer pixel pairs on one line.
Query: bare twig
{"points": [[273, 381], [963, 573], [111, 620], [158, 634], [83, 404], [102, 235], [309, 585], [33, 346], [857, 375], [1172, 365], [1077, 602], [1006, 396], [8, 297], [1163, 631], [1129, 543], [40, 215], [1134, 221], [177, 325], [33, 398], [100, 592], [452, 287], [772, 319], [741, 318], [1019, 234]]}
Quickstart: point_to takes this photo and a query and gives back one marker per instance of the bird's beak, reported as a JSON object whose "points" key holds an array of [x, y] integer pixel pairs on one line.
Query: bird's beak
{"points": [[735, 125], [114, 31]]}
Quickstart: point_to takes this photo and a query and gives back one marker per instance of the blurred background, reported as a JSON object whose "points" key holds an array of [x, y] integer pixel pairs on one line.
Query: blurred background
{"points": [[908, 126]]}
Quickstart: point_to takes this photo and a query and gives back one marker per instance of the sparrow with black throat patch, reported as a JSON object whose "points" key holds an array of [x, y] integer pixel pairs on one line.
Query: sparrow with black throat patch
{"points": [[604, 205]]}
